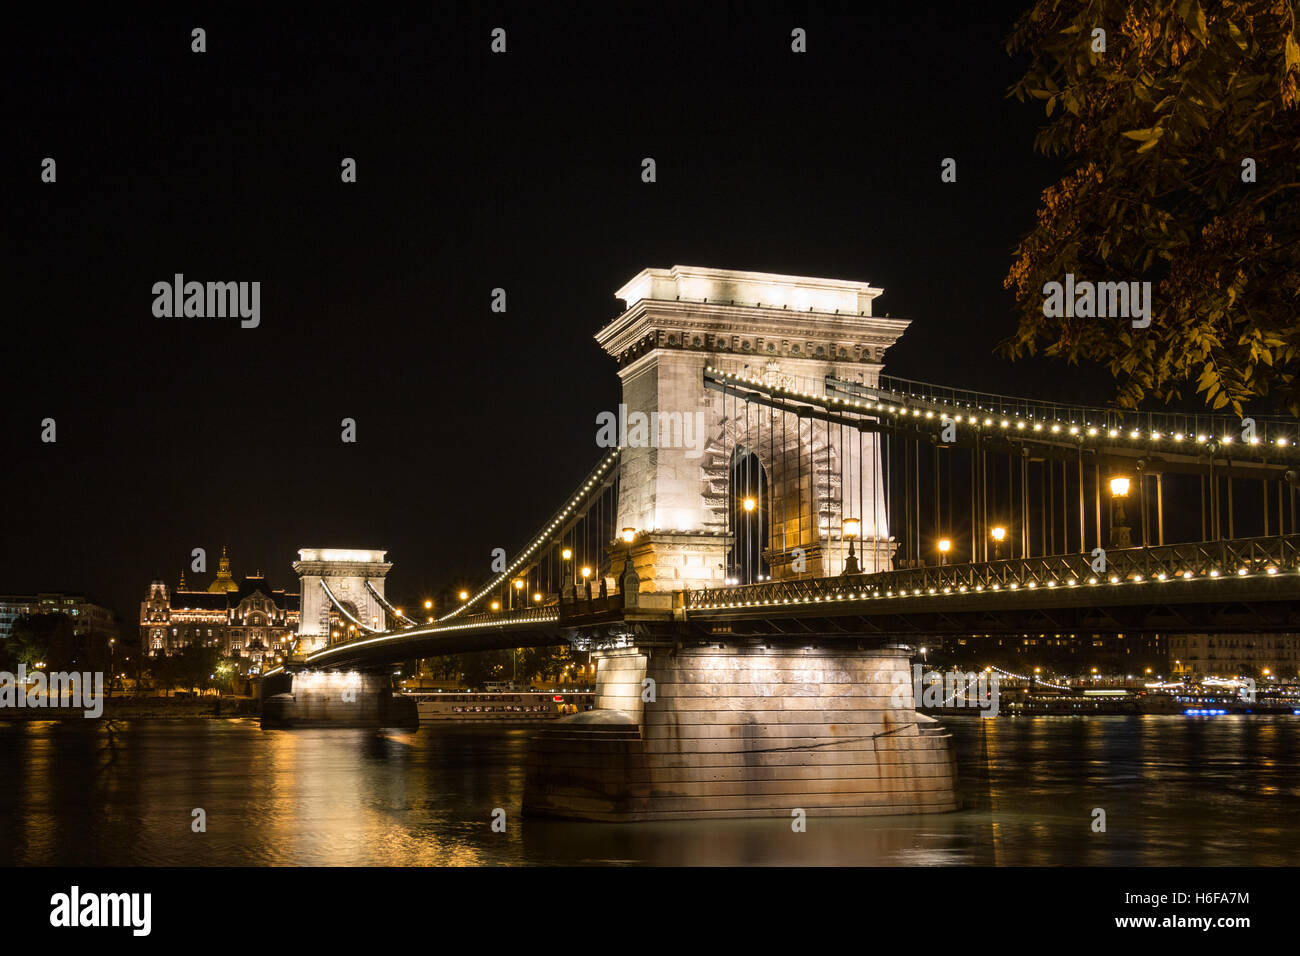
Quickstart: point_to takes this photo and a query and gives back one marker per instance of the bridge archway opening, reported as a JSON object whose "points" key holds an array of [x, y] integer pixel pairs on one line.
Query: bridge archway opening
{"points": [[344, 628], [749, 518]]}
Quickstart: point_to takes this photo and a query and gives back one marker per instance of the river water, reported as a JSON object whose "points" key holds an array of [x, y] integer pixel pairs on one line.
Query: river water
{"points": [[1175, 790]]}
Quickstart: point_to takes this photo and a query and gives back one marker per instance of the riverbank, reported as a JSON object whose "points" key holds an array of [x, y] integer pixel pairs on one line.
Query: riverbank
{"points": [[141, 708]]}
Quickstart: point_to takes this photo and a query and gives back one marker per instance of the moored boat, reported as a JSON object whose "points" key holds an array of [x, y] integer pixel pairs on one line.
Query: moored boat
{"points": [[507, 706]]}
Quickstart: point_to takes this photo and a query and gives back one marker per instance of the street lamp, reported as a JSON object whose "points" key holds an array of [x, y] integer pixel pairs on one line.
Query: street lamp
{"points": [[629, 535], [428, 605], [1120, 536], [749, 504], [496, 605], [464, 595], [852, 527], [944, 547], [999, 533]]}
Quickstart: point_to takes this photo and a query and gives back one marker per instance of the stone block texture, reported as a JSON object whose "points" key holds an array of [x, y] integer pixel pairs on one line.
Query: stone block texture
{"points": [[744, 732]]}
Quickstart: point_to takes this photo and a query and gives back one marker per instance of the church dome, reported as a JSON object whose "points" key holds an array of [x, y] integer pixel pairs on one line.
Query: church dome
{"points": [[223, 581]]}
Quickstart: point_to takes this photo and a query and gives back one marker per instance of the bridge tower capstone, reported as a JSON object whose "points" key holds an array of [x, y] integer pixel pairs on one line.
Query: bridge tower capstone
{"points": [[346, 571], [674, 483]]}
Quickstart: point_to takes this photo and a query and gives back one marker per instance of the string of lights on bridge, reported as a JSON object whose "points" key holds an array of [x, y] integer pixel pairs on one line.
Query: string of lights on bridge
{"points": [[867, 592], [542, 538], [1008, 422]]}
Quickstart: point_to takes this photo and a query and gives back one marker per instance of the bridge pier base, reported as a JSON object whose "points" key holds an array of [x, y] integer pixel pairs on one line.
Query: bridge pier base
{"points": [[744, 731], [336, 699]]}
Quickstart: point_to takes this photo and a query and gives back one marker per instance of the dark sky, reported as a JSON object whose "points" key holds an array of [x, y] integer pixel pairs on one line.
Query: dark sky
{"points": [[474, 171]]}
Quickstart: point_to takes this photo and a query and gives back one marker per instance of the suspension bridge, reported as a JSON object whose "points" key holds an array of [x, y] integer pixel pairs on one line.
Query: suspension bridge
{"points": [[768, 581]]}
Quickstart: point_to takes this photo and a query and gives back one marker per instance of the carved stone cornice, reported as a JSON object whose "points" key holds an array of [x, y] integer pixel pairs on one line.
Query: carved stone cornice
{"points": [[747, 330], [337, 569]]}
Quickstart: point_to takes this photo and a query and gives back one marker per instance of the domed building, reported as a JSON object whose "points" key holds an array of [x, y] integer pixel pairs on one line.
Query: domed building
{"points": [[224, 581], [248, 620]]}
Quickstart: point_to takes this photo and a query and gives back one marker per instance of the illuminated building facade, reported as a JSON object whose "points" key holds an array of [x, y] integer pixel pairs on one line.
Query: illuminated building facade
{"points": [[1229, 655], [247, 619]]}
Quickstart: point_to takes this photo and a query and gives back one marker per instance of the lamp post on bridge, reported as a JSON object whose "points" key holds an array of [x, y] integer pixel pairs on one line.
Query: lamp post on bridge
{"points": [[1120, 536], [852, 528], [749, 504], [944, 547], [998, 533], [629, 536]]}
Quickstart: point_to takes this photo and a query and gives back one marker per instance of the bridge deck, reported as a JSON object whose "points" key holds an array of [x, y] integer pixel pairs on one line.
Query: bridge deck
{"points": [[1248, 584]]}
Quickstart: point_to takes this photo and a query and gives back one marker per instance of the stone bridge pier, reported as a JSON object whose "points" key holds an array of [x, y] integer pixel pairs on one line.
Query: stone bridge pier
{"points": [[745, 731], [335, 699]]}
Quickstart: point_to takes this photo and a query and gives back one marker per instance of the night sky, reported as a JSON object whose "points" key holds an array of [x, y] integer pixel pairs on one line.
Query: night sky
{"points": [[474, 171]]}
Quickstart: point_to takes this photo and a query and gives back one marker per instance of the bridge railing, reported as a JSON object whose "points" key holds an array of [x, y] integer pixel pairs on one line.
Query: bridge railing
{"points": [[1203, 559]]}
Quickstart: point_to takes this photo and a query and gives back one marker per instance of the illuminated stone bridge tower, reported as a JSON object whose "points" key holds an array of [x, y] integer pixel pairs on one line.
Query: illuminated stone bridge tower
{"points": [[685, 727], [786, 330], [346, 572]]}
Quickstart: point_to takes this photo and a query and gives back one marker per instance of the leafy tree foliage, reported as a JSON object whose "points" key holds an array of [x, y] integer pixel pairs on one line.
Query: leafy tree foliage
{"points": [[164, 672], [478, 668], [197, 665], [543, 663], [1157, 130], [49, 639], [31, 639]]}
